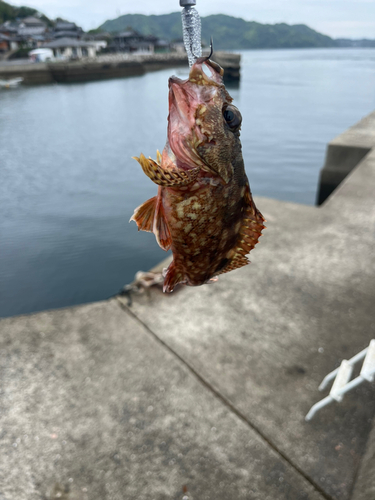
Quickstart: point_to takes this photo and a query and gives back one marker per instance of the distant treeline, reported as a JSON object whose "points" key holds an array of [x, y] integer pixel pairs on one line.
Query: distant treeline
{"points": [[229, 32], [10, 13], [347, 42]]}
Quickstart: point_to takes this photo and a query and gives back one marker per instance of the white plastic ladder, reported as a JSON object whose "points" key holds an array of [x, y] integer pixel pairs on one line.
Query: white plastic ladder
{"points": [[342, 375]]}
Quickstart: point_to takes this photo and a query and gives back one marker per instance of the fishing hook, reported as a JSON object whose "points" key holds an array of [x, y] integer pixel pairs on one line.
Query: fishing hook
{"points": [[211, 49]]}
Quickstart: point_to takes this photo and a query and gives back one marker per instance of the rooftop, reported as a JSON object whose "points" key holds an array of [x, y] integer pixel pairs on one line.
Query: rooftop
{"points": [[33, 21], [128, 34], [65, 25], [67, 42], [66, 34], [30, 31], [8, 27]]}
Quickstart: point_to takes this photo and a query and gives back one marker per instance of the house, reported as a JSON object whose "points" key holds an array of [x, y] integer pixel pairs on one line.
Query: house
{"points": [[4, 43], [162, 46], [178, 46], [32, 22], [157, 44], [8, 42], [31, 31], [101, 40], [66, 29], [132, 41], [8, 28], [28, 32], [71, 48]]}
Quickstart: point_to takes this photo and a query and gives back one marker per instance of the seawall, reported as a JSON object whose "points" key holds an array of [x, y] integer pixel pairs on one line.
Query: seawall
{"points": [[32, 73], [343, 155]]}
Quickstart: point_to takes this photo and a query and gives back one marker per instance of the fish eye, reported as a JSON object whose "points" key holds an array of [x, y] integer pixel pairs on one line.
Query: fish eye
{"points": [[232, 116]]}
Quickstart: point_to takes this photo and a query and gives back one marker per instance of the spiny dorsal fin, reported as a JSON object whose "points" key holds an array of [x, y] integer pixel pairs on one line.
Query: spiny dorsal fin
{"points": [[165, 177]]}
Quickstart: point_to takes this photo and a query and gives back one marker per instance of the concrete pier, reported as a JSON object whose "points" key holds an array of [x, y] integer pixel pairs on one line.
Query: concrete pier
{"points": [[202, 394], [32, 73], [343, 155]]}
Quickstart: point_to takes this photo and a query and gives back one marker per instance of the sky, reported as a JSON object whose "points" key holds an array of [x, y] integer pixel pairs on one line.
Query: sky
{"points": [[336, 18]]}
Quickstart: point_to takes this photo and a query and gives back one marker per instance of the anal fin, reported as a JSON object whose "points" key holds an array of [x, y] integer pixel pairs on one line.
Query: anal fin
{"points": [[238, 261], [172, 278]]}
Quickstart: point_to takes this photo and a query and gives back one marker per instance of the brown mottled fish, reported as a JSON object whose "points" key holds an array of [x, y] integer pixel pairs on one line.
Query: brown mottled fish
{"points": [[204, 210]]}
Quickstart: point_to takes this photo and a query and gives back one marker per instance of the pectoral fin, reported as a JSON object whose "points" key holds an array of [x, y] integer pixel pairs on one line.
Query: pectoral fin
{"points": [[144, 215], [150, 217], [166, 177]]}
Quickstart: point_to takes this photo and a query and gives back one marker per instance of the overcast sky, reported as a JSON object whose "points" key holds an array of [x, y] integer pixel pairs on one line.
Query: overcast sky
{"points": [[337, 18]]}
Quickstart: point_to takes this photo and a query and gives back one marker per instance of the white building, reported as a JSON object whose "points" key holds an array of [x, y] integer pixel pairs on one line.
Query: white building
{"points": [[41, 55], [71, 48]]}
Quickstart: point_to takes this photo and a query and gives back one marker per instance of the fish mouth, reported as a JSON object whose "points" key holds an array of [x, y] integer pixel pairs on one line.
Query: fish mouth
{"points": [[184, 134], [188, 101]]}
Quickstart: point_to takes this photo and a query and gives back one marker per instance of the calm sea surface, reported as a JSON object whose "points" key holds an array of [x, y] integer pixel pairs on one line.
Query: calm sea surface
{"points": [[68, 185]]}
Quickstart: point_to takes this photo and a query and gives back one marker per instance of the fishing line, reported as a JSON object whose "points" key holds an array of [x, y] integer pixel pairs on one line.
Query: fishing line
{"points": [[191, 30]]}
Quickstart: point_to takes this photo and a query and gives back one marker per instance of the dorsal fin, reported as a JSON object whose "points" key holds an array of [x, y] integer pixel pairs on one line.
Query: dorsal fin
{"points": [[167, 177]]}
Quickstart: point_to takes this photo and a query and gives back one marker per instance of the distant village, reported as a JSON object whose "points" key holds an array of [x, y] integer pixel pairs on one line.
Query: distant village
{"points": [[32, 38]]}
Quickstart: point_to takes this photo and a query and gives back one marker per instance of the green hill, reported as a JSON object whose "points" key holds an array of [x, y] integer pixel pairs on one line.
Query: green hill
{"points": [[10, 13], [228, 32]]}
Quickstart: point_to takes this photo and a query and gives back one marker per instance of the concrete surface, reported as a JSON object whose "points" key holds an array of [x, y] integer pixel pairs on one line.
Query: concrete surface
{"points": [[202, 394], [365, 484], [344, 153], [93, 407]]}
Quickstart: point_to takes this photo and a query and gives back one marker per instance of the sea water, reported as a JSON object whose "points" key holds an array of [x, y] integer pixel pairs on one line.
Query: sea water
{"points": [[68, 185]]}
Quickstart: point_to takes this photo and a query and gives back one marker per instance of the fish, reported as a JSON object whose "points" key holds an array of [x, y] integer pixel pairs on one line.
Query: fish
{"points": [[203, 211]]}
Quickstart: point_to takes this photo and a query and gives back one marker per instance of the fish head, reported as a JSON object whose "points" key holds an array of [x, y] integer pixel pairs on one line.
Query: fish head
{"points": [[203, 124]]}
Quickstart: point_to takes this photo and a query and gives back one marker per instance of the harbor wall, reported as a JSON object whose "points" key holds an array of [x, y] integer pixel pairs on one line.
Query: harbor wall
{"points": [[32, 73], [109, 66]]}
